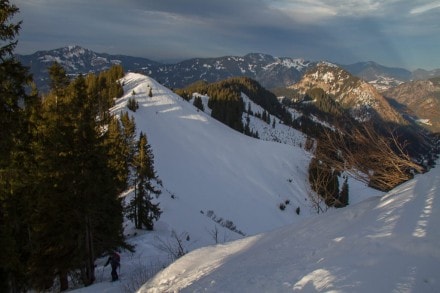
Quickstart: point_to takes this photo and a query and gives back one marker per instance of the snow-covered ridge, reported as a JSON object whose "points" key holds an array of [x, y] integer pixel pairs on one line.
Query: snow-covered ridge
{"points": [[191, 149], [218, 184]]}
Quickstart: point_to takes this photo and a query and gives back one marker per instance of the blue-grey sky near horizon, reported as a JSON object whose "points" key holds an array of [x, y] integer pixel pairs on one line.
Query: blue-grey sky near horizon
{"points": [[400, 33]]}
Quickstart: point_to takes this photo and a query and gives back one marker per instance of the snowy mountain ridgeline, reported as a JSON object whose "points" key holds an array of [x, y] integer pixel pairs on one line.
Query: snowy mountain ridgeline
{"points": [[239, 208], [76, 60], [268, 70], [362, 96]]}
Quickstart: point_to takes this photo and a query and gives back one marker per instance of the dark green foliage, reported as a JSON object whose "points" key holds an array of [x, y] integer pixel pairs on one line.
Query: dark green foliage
{"points": [[129, 137], [141, 209], [132, 104], [198, 103], [264, 116], [322, 105], [117, 152], [226, 103], [78, 214], [59, 205], [227, 107], [14, 158], [58, 79], [104, 89]]}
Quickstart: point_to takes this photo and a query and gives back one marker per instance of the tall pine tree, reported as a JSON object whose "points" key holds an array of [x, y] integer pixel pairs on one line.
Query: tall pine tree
{"points": [[141, 208], [14, 236]]}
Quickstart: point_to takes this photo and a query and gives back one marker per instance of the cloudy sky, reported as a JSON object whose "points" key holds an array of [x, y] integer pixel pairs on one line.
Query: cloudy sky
{"points": [[404, 33]]}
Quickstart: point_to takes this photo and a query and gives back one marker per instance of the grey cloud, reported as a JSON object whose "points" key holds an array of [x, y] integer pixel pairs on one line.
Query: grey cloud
{"points": [[336, 30]]}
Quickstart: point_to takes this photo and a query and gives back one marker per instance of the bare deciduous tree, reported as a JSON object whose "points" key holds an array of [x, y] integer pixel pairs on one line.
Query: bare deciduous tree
{"points": [[174, 246], [325, 191], [378, 160]]}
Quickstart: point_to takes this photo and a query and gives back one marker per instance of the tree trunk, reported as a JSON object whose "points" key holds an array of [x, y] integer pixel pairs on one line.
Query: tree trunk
{"points": [[64, 283], [89, 277]]}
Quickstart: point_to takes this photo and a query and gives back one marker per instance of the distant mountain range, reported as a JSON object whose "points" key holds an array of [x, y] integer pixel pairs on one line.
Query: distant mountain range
{"points": [[268, 70], [271, 72]]}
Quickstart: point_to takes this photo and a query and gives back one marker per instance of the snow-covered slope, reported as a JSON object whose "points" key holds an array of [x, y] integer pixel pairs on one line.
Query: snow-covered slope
{"points": [[384, 244], [218, 184], [206, 166]]}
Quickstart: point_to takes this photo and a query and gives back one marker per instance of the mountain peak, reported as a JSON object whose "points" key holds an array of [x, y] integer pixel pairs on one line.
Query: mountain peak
{"points": [[327, 64], [259, 56], [351, 92]]}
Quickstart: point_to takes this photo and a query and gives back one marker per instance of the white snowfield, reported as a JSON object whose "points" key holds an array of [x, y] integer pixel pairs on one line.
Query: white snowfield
{"points": [[213, 170], [384, 244], [215, 177]]}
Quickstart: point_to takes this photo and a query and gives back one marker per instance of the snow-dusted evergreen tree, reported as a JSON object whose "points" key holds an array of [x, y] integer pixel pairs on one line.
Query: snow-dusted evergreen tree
{"points": [[141, 208]]}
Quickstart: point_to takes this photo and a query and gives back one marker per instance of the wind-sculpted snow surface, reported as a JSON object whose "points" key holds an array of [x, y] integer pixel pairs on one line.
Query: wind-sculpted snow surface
{"points": [[384, 244]]}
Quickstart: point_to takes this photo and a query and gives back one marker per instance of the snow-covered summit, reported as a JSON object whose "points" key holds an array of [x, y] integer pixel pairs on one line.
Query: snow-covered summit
{"points": [[207, 166]]}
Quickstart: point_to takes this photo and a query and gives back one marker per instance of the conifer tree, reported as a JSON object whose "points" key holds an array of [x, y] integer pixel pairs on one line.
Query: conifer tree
{"points": [[79, 215], [58, 79], [141, 209], [14, 236], [117, 154], [198, 103], [129, 138]]}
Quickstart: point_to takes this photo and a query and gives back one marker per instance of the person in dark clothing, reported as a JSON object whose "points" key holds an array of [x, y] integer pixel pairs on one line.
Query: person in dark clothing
{"points": [[114, 260]]}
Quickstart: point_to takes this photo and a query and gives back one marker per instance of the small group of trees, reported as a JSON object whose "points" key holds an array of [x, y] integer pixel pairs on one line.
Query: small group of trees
{"points": [[198, 103], [132, 104], [324, 181]]}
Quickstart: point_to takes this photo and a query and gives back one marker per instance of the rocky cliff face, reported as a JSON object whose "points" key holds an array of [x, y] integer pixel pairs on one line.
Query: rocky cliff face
{"points": [[361, 98]]}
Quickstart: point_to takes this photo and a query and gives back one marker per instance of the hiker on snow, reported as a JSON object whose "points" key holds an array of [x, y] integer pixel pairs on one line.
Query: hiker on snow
{"points": [[114, 261]]}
